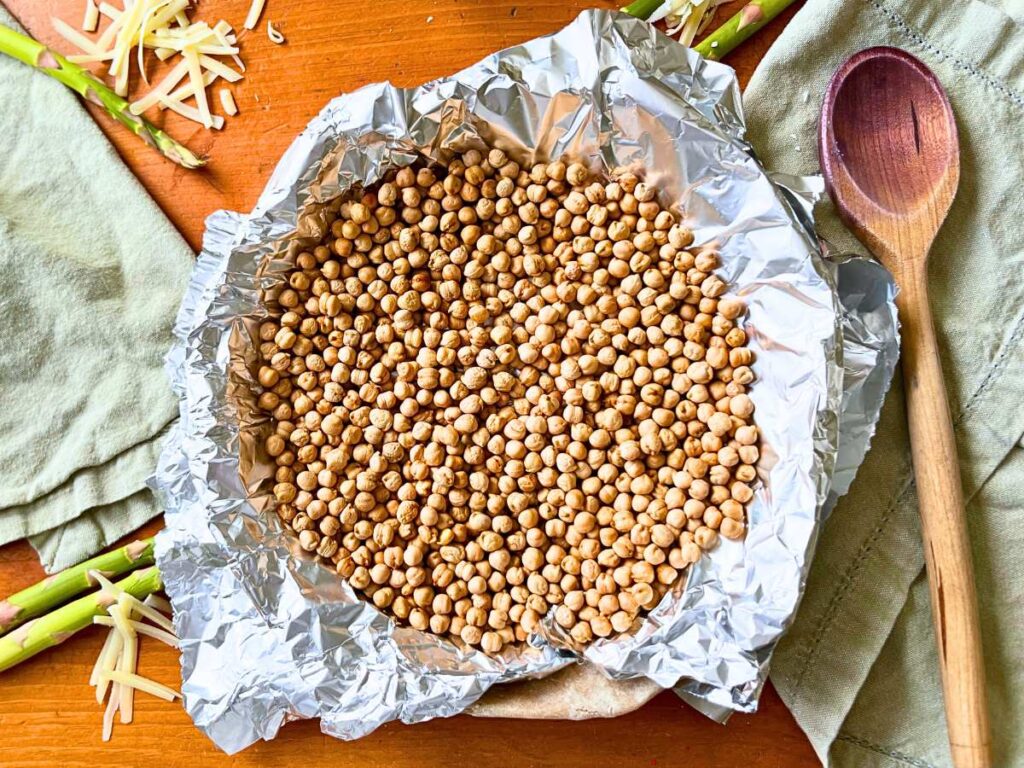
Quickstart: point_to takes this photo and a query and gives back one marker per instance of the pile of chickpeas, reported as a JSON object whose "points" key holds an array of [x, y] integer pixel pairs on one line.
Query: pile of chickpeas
{"points": [[499, 392]]}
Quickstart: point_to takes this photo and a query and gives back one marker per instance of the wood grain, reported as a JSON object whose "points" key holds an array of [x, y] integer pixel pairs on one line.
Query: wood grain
{"points": [[48, 716], [891, 159]]}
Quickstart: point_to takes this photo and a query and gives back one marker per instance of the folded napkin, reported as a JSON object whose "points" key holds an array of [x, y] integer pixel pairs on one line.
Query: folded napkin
{"points": [[859, 668], [91, 274]]}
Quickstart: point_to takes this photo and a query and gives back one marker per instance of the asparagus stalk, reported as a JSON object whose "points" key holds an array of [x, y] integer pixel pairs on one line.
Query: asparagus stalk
{"points": [[35, 54], [53, 591], [736, 30], [642, 9], [56, 627]]}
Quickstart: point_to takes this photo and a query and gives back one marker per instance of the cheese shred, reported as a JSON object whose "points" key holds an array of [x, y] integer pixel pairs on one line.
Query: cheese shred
{"points": [[163, 28], [75, 37], [91, 19], [144, 684], [252, 18], [115, 673], [227, 101]]}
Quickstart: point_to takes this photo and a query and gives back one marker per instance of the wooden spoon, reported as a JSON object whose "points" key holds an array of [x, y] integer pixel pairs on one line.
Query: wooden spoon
{"points": [[889, 153]]}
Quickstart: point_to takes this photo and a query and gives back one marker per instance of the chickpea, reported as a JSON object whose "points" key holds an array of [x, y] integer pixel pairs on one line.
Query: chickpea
{"points": [[582, 633], [731, 529], [491, 642]]}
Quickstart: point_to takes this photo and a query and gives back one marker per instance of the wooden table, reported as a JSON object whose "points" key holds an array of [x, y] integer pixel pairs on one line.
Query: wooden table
{"points": [[48, 715]]}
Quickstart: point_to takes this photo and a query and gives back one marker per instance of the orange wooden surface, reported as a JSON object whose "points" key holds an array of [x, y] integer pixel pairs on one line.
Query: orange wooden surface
{"points": [[48, 715]]}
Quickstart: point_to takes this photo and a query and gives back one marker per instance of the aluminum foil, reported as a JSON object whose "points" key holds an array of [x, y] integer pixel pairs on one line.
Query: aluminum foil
{"points": [[269, 635], [867, 295]]}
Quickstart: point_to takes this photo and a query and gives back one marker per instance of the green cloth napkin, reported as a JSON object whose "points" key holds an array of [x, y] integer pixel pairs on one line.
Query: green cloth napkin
{"points": [[859, 667], [91, 274]]}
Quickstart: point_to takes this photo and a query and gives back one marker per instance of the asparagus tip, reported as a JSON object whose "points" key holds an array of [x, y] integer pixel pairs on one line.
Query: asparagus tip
{"points": [[184, 157]]}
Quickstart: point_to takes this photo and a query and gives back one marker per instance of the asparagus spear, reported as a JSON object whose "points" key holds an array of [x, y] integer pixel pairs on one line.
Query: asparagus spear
{"points": [[642, 9], [35, 54], [56, 627], [736, 30], [55, 590]]}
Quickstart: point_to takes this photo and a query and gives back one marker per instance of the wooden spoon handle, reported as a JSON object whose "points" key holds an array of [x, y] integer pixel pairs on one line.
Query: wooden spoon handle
{"points": [[944, 526]]}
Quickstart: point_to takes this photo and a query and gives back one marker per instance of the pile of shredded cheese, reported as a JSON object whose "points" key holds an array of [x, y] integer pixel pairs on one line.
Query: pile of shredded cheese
{"points": [[164, 27], [114, 674], [687, 18]]}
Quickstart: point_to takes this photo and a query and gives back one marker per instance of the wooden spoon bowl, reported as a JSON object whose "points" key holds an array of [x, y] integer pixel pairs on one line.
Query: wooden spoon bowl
{"points": [[890, 156], [890, 152]]}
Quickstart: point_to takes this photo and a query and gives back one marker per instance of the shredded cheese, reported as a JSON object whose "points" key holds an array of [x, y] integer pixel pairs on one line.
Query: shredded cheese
{"points": [[162, 88], [91, 19], [107, 663], [111, 710], [132, 20], [223, 32], [106, 40], [117, 613], [126, 694], [89, 58], [163, 27], [186, 90], [115, 671], [216, 121], [252, 18], [228, 102], [122, 614], [140, 683], [687, 18], [141, 49], [155, 601], [142, 629], [75, 37], [110, 588], [170, 12], [275, 37], [195, 73], [219, 69], [94, 678]]}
